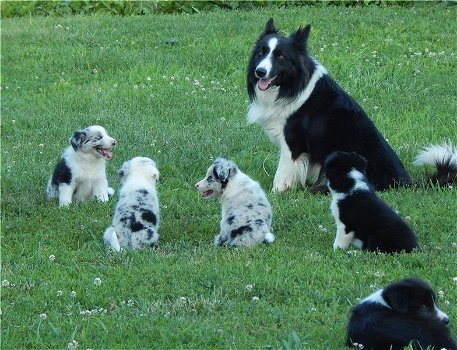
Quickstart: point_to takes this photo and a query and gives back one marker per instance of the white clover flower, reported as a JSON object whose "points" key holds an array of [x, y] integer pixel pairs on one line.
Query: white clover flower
{"points": [[249, 287], [255, 298], [5, 283], [148, 78], [135, 87], [440, 293], [454, 279], [322, 228], [186, 78], [73, 294], [97, 281], [72, 345], [379, 274], [59, 293], [408, 218], [183, 300], [43, 316], [130, 303], [52, 258]]}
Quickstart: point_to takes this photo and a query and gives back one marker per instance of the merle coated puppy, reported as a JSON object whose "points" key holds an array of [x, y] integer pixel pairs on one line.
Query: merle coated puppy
{"points": [[136, 217], [401, 314], [246, 212], [308, 116], [80, 174], [361, 217]]}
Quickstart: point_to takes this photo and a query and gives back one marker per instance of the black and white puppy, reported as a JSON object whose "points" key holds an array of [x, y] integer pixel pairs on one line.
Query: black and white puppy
{"points": [[308, 116], [80, 174], [444, 159], [403, 313], [136, 217], [246, 212], [361, 217]]}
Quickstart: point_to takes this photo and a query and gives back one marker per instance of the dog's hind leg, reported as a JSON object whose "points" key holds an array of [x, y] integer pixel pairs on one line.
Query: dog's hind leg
{"points": [[51, 190]]}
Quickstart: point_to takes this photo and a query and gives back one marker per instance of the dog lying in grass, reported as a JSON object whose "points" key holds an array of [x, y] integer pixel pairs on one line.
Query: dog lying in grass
{"points": [[80, 174], [136, 217], [401, 314], [246, 212], [361, 217]]}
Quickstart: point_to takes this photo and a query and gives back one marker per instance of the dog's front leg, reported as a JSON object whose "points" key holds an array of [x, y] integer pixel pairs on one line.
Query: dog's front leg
{"points": [[100, 190], [290, 172], [342, 239]]}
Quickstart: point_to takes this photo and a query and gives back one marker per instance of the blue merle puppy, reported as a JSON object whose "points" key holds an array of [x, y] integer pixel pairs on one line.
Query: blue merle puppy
{"points": [[80, 174], [246, 212], [136, 217]]}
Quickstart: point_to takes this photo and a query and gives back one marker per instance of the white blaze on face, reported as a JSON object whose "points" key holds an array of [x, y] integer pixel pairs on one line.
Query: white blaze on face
{"points": [[267, 62]]}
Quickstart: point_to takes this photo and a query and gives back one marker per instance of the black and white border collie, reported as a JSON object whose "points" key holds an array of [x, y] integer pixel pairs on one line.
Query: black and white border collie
{"points": [[246, 212], [308, 116], [136, 217], [361, 217], [444, 159], [398, 315], [80, 174]]}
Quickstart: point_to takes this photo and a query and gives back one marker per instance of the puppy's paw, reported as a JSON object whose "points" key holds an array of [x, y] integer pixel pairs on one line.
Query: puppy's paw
{"points": [[111, 191]]}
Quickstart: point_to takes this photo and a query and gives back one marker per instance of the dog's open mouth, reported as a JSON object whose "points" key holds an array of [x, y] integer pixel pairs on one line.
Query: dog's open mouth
{"points": [[264, 84], [207, 193], [104, 152]]}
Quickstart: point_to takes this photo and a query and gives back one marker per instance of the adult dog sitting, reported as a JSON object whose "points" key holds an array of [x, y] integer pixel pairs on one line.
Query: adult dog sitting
{"points": [[308, 116]]}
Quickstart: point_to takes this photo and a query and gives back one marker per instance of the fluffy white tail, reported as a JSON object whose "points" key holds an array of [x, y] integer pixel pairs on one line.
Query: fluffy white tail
{"points": [[443, 158], [269, 238], [110, 239]]}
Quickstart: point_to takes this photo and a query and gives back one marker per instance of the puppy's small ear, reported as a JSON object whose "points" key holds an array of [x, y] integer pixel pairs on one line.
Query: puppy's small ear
{"points": [[124, 170], [155, 173], [361, 162], [398, 298], [77, 139], [224, 169], [300, 37], [270, 27]]}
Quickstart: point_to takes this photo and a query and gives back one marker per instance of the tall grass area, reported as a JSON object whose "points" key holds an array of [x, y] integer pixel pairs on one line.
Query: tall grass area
{"points": [[172, 88]]}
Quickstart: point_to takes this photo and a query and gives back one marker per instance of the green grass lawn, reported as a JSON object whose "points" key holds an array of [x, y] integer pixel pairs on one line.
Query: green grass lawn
{"points": [[182, 104]]}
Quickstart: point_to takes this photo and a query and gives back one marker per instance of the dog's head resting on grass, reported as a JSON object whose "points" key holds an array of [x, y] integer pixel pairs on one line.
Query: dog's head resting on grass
{"points": [[139, 167], [217, 177], [93, 140]]}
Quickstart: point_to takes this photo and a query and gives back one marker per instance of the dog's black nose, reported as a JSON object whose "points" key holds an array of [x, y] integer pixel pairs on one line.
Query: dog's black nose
{"points": [[114, 143], [445, 320], [260, 72]]}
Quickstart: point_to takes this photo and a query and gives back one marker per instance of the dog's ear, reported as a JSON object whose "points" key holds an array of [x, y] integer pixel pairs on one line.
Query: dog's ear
{"points": [[77, 139], [397, 297], [155, 173], [361, 162], [300, 37], [124, 170], [270, 28], [224, 169]]}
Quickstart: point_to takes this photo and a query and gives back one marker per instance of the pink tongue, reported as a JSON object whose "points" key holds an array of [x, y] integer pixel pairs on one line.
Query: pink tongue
{"points": [[264, 84], [107, 154]]}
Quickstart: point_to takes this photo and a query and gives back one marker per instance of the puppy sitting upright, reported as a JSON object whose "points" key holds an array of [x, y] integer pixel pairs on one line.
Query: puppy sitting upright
{"points": [[80, 174], [361, 217], [398, 315], [246, 212], [136, 218]]}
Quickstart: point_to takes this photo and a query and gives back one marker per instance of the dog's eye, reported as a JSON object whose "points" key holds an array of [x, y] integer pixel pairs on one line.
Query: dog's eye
{"points": [[209, 179], [279, 57], [423, 308], [260, 53]]}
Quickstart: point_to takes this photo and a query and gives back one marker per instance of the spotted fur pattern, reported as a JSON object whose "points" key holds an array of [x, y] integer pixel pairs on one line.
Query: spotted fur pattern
{"points": [[136, 217], [80, 174], [246, 212]]}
